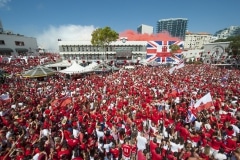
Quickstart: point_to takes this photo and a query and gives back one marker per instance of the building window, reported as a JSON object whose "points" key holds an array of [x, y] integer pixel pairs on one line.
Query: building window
{"points": [[2, 42], [19, 43]]}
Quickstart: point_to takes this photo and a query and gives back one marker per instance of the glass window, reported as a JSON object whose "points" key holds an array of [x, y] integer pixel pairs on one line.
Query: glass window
{"points": [[19, 43], [2, 42]]}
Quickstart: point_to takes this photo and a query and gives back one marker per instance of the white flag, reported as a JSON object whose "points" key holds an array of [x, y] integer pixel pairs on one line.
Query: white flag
{"points": [[204, 103]]}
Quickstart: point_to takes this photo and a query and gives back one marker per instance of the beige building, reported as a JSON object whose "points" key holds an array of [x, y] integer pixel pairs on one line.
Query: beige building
{"points": [[197, 40]]}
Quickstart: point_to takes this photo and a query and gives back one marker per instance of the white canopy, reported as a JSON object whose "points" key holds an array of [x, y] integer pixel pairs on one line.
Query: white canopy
{"points": [[73, 69], [90, 67]]}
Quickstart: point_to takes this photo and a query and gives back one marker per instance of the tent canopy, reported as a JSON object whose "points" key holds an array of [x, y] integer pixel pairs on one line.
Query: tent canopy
{"points": [[90, 67], [73, 69], [102, 68], [39, 71]]}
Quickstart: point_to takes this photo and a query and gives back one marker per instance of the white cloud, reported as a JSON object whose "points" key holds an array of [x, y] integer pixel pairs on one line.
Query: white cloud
{"points": [[49, 38], [3, 3]]}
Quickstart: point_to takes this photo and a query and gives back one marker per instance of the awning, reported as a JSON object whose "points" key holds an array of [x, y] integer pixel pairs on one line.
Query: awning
{"points": [[4, 50], [21, 50]]}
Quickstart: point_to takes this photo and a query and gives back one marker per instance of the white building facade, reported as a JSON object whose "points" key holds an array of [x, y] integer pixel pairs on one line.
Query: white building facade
{"points": [[121, 50], [145, 29], [197, 40], [15, 44]]}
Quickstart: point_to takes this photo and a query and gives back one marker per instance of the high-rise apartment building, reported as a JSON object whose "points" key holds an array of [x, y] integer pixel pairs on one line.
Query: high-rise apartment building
{"points": [[176, 27], [142, 29]]}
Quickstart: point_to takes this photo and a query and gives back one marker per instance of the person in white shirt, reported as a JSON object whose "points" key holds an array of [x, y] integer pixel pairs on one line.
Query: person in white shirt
{"points": [[141, 141], [99, 131], [197, 125], [76, 131], [220, 155], [175, 146], [236, 129], [107, 146], [35, 157]]}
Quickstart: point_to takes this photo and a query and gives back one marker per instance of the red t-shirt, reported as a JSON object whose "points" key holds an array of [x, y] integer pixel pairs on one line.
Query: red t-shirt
{"points": [[141, 156], [230, 143], [153, 146], [156, 156], [184, 133], [65, 152], [114, 152], [126, 150], [72, 142], [20, 157], [134, 149], [216, 144]]}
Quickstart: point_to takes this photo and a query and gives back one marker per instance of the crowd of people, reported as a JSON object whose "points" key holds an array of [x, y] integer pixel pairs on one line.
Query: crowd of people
{"points": [[136, 114]]}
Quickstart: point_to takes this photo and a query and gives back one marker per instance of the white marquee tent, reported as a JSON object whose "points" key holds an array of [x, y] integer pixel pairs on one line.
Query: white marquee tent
{"points": [[90, 67], [73, 69]]}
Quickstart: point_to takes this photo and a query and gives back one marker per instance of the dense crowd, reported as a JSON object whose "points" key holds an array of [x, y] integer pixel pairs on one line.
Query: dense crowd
{"points": [[128, 114]]}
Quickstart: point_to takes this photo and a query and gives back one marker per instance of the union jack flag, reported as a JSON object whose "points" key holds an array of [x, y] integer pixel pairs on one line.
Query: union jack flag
{"points": [[160, 51], [190, 117]]}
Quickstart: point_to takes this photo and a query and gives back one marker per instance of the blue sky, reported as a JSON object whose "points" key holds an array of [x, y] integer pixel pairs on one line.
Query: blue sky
{"points": [[48, 20]]}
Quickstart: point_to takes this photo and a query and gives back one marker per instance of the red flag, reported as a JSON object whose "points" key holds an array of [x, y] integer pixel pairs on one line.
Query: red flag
{"points": [[65, 102]]}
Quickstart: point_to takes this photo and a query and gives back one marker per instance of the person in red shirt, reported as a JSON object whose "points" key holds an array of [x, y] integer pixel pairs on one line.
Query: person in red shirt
{"points": [[153, 144], [156, 154], [126, 150], [134, 150], [216, 143], [114, 151], [64, 152], [230, 144], [184, 132], [141, 156]]}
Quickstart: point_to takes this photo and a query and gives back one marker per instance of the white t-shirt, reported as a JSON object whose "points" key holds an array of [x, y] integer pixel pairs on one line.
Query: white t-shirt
{"points": [[198, 125], [236, 129], [165, 133], [99, 134], [75, 133], [175, 147], [35, 157], [141, 142], [220, 156], [107, 147]]}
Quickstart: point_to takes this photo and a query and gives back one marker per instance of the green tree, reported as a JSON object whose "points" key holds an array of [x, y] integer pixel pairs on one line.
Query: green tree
{"points": [[174, 48], [103, 37], [234, 46]]}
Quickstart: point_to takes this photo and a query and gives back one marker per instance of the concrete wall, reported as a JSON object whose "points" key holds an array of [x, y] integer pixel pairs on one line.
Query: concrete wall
{"points": [[30, 43]]}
